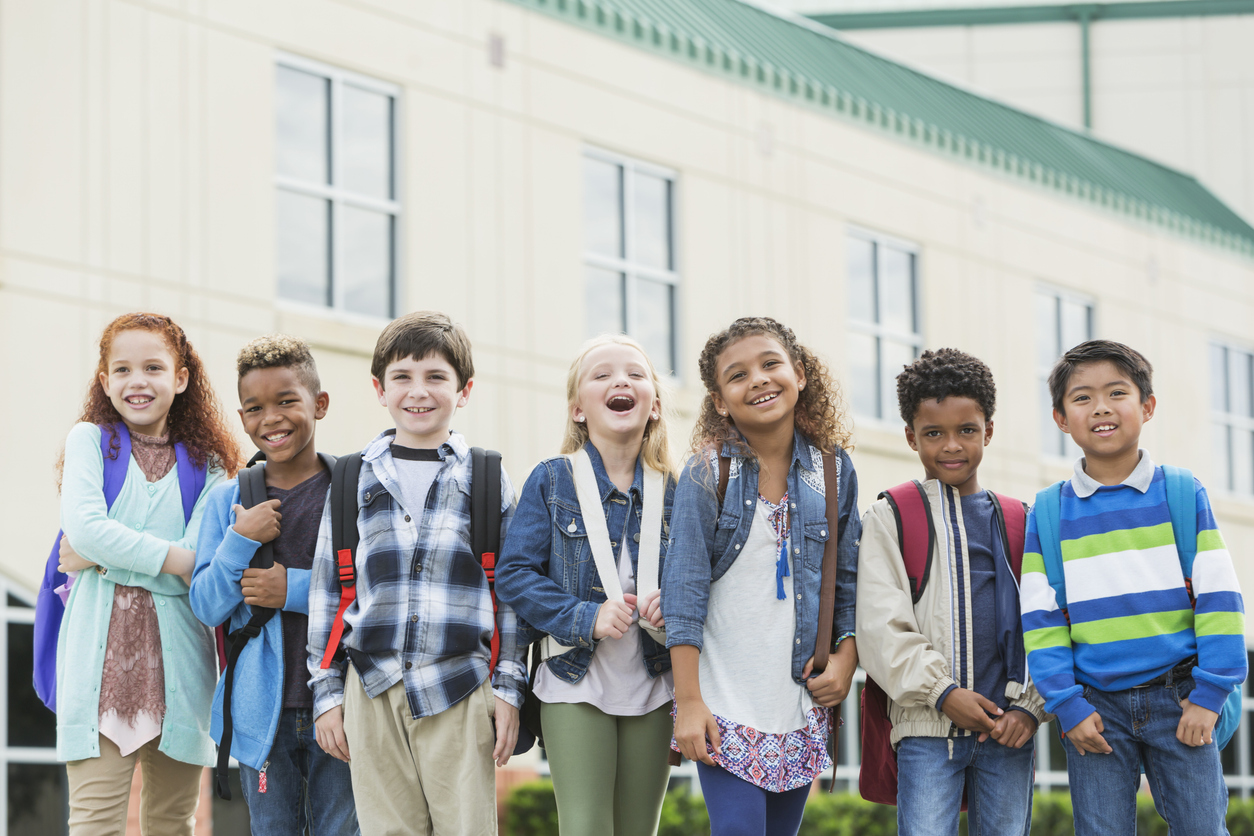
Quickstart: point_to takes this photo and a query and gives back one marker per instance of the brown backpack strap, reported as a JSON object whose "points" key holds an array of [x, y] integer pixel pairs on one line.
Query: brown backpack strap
{"points": [[827, 589], [724, 471]]}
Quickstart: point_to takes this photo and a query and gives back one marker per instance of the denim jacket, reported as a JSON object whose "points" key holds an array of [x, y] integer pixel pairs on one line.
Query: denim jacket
{"points": [[706, 541], [546, 571]]}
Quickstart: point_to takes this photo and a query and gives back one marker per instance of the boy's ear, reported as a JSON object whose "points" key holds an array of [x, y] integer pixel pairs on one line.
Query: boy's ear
{"points": [[1147, 408], [321, 401], [1060, 418], [464, 395], [910, 439], [988, 432], [378, 390]]}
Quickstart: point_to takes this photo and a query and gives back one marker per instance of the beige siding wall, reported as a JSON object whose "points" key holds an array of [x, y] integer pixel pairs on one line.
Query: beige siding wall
{"points": [[136, 170]]}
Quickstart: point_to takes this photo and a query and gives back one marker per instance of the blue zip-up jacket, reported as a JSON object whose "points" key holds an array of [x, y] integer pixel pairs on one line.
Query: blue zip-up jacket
{"points": [[705, 541], [546, 572], [222, 555]]}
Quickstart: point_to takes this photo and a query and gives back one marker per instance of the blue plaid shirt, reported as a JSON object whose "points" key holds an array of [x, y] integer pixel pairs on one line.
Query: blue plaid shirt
{"points": [[423, 611]]}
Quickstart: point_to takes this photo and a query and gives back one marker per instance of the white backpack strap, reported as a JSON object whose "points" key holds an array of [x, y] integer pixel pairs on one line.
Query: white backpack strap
{"points": [[594, 524], [650, 544]]}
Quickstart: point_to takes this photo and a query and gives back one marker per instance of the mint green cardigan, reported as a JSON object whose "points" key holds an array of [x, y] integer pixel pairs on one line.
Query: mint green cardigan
{"points": [[130, 541]]}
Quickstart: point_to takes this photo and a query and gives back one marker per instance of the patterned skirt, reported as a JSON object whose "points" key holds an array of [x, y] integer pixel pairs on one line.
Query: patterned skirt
{"points": [[774, 762]]}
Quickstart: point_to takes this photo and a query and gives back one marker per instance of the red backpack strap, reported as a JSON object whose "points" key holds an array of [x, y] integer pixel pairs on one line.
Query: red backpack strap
{"points": [[344, 539], [915, 532], [1013, 516]]}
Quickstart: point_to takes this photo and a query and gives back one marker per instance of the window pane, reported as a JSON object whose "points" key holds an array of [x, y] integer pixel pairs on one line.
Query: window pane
{"points": [[15, 601], [301, 125], [1054, 442], [30, 722], [1047, 350], [1222, 450], [1239, 383], [39, 801], [652, 244], [366, 142], [603, 201], [897, 285], [1219, 378], [303, 248], [655, 322], [605, 302], [1076, 324], [896, 357], [365, 262], [864, 374], [1242, 461], [861, 280]]}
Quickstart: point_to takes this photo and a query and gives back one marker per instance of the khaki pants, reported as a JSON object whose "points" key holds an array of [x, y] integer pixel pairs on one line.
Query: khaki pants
{"points": [[433, 775], [100, 792]]}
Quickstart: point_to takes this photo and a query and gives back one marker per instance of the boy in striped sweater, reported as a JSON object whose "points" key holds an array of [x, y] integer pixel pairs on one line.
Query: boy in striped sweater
{"points": [[1135, 672]]}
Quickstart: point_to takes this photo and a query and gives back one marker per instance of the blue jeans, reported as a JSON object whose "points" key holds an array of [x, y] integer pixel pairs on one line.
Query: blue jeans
{"points": [[738, 808], [930, 781], [305, 787], [1140, 726]]}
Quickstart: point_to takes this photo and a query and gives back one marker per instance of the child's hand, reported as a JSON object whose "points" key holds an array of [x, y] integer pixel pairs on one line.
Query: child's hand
{"points": [[832, 686], [970, 711], [505, 719], [265, 587], [694, 724], [1012, 729], [329, 732], [651, 611], [260, 522], [613, 618], [72, 561], [1197, 724], [1086, 736]]}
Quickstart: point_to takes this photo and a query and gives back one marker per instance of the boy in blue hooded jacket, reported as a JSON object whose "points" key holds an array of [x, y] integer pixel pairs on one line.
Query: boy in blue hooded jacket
{"points": [[290, 783]]}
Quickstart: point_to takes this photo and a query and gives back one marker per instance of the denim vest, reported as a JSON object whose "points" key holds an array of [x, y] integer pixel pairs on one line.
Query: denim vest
{"points": [[546, 571], [706, 540]]}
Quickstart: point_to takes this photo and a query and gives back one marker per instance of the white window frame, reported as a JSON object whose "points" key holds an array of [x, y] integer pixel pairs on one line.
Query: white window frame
{"points": [[338, 196], [1059, 295], [1233, 421], [632, 270], [888, 397]]}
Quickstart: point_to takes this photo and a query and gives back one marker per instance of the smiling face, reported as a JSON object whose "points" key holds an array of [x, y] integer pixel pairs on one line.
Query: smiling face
{"points": [[950, 436], [279, 412], [758, 385], [141, 380], [616, 397], [421, 396], [1102, 410]]}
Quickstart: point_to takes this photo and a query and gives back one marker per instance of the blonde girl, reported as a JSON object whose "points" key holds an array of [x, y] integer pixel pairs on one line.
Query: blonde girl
{"points": [[740, 591], [135, 669], [605, 687]]}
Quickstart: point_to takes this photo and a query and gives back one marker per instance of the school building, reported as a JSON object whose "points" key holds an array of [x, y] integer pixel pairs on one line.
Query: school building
{"points": [[545, 170]]}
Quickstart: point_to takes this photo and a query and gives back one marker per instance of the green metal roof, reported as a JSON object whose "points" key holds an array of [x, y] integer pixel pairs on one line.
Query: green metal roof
{"points": [[802, 61]]}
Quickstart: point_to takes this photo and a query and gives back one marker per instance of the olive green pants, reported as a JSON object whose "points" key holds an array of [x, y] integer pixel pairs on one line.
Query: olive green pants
{"points": [[609, 773]]}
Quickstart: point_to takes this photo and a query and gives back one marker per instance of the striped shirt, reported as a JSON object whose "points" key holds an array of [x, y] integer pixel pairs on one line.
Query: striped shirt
{"points": [[423, 612], [1129, 608]]}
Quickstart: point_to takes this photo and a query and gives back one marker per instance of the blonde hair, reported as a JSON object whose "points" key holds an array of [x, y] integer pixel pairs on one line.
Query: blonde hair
{"points": [[655, 448]]}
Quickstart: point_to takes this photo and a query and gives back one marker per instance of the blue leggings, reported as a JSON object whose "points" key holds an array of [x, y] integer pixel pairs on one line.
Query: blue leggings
{"points": [[738, 808]]}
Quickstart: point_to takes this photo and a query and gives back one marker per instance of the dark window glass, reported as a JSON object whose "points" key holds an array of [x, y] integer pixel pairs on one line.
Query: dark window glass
{"points": [[30, 722], [38, 799], [15, 601]]}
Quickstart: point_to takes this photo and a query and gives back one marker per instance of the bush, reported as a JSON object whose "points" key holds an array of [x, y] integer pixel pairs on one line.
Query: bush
{"points": [[531, 810]]}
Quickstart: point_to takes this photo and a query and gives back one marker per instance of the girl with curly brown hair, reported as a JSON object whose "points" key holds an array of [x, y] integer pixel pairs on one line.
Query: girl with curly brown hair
{"points": [[135, 668], [740, 587]]}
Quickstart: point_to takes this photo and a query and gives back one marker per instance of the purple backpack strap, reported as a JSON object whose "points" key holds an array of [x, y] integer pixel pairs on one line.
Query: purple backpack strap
{"points": [[191, 480]]}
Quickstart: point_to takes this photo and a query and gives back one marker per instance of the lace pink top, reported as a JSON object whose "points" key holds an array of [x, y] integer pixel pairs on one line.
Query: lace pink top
{"points": [[132, 686]]}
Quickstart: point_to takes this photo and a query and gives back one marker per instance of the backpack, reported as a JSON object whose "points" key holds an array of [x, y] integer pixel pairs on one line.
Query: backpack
{"points": [[485, 541], [55, 588], [877, 778], [252, 491], [1182, 506]]}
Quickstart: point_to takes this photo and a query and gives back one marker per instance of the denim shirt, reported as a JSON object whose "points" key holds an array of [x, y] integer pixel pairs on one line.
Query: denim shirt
{"points": [[705, 542], [546, 571]]}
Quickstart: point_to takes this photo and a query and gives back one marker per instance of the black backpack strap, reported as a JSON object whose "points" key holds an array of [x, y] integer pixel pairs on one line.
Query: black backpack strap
{"points": [[344, 539], [485, 524], [252, 491]]}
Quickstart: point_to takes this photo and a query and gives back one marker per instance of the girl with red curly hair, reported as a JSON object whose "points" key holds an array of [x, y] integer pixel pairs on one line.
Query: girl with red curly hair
{"points": [[135, 668]]}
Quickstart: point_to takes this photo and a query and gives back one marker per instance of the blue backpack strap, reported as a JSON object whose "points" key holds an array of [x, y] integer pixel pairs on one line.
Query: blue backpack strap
{"points": [[1182, 505], [1048, 512], [115, 466], [191, 480]]}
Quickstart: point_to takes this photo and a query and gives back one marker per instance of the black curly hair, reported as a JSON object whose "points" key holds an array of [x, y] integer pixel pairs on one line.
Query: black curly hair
{"points": [[941, 373]]}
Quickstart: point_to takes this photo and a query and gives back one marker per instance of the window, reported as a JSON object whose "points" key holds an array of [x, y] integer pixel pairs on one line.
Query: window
{"points": [[1232, 404], [884, 322], [336, 207], [1063, 321], [630, 280]]}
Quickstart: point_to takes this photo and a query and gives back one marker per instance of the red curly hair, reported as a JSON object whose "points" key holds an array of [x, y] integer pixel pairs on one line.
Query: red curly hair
{"points": [[819, 413], [195, 416]]}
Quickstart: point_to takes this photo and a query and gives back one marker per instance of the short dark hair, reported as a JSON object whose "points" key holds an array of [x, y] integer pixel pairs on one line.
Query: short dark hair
{"points": [[280, 351], [1128, 360], [942, 373], [419, 335]]}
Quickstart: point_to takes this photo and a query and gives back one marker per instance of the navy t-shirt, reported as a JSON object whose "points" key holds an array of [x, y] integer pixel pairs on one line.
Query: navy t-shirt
{"points": [[989, 668]]}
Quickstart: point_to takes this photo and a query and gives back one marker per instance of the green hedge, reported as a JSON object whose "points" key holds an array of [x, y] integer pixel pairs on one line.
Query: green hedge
{"points": [[532, 811]]}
